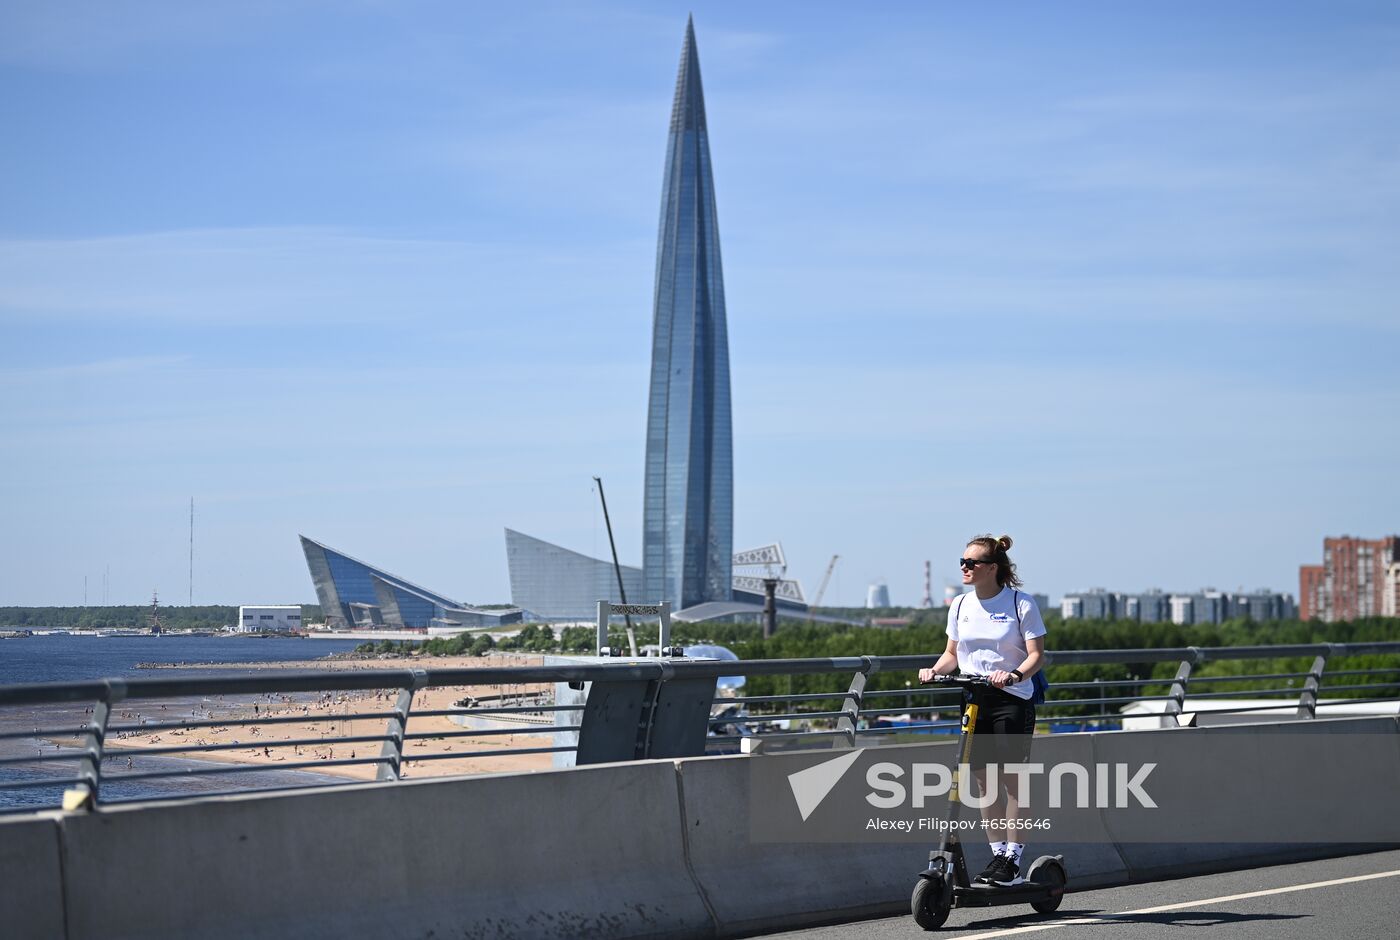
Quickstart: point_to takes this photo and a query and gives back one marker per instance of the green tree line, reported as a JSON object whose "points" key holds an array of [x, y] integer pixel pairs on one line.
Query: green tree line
{"points": [[809, 641]]}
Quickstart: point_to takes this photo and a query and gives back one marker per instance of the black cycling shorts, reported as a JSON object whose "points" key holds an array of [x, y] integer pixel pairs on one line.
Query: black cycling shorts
{"points": [[1005, 727]]}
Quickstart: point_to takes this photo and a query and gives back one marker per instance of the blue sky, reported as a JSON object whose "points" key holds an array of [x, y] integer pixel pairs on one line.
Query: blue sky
{"points": [[1118, 279]]}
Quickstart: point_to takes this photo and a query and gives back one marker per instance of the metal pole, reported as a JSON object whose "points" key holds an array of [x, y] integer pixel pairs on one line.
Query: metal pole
{"points": [[770, 606], [622, 591]]}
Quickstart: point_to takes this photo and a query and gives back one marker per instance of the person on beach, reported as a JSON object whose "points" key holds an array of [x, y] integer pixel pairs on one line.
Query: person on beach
{"points": [[995, 630]]}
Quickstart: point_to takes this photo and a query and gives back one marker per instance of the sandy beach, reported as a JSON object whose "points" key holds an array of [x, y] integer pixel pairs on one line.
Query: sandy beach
{"points": [[270, 743]]}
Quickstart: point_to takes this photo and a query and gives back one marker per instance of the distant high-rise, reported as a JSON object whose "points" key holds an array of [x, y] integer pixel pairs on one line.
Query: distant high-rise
{"points": [[1351, 581], [688, 496]]}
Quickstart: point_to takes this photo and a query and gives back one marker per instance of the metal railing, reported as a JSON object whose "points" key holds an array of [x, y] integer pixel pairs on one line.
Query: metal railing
{"points": [[114, 727]]}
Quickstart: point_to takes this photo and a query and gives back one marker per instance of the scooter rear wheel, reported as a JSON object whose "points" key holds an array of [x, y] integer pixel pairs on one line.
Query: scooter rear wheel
{"points": [[927, 904], [1052, 875]]}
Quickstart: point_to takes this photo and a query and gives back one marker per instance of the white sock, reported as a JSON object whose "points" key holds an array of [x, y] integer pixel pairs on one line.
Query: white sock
{"points": [[1014, 849], [998, 848]]}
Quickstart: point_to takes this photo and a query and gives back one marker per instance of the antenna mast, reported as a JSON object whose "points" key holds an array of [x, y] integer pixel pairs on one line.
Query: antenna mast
{"points": [[622, 591], [191, 551]]}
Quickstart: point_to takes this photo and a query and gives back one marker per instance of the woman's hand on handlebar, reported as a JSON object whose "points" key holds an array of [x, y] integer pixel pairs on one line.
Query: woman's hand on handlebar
{"points": [[1001, 679], [927, 675]]}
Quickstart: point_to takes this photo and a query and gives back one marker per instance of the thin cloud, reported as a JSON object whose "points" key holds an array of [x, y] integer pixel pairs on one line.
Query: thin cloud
{"points": [[93, 35], [102, 367], [285, 275]]}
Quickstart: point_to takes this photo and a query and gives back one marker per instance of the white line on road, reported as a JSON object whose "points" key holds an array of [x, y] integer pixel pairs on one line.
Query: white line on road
{"points": [[1100, 918]]}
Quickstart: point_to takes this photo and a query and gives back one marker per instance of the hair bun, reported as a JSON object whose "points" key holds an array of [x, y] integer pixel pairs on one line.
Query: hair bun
{"points": [[1004, 543]]}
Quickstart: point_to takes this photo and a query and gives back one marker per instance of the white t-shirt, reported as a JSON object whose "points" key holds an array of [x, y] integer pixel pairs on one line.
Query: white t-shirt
{"points": [[990, 635]]}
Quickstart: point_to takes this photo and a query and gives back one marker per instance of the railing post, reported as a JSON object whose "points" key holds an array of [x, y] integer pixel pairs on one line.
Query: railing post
{"points": [[855, 696], [1307, 702], [398, 724], [87, 793], [1178, 692], [604, 615]]}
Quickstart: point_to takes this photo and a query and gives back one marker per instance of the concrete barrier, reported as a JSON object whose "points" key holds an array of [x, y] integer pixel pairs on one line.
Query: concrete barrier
{"points": [[31, 878], [643, 849], [1092, 860], [757, 886], [815, 883], [1279, 792], [587, 852]]}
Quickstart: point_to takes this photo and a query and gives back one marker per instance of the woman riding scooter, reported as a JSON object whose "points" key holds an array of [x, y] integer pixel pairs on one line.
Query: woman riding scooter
{"points": [[995, 630]]}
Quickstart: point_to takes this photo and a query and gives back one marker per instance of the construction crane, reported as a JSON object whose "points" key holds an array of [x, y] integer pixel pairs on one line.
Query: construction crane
{"points": [[826, 579]]}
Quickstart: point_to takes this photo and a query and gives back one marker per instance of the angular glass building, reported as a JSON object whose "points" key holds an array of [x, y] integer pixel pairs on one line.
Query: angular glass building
{"points": [[354, 594], [688, 500], [563, 585]]}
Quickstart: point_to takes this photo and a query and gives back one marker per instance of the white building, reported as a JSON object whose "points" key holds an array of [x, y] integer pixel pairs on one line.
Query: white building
{"points": [[1390, 600], [280, 618], [878, 595]]}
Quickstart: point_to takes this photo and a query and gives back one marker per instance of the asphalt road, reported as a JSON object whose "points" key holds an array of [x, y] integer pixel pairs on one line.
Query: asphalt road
{"points": [[1277, 903]]}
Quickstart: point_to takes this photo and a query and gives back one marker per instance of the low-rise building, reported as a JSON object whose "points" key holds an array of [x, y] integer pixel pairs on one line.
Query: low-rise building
{"points": [[1095, 604], [273, 618], [1154, 606]]}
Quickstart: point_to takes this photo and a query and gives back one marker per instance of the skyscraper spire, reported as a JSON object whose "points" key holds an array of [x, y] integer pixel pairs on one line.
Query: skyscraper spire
{"points": [[688, 511]]}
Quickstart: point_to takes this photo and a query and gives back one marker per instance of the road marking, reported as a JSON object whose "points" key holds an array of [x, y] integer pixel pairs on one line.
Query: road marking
{"points": [[1100, 918]]}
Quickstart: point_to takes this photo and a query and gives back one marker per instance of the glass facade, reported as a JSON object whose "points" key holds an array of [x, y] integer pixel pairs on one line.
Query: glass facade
{"points": [[553, 583], [688, 510], [352, 593]]}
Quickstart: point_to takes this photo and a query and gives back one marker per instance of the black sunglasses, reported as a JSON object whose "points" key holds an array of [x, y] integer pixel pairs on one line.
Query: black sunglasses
{"points": [[973, 562]]}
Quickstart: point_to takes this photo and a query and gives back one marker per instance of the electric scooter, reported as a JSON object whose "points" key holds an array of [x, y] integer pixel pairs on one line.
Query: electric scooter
{"points": [[945, 884]]}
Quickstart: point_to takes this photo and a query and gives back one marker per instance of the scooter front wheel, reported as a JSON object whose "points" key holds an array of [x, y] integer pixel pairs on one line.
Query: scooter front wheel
{"points": [[928, 905]]}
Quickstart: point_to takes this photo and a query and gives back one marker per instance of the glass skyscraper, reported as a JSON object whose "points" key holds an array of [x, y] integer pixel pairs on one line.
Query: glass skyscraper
{"points": [[688, 500], [688, 489]]}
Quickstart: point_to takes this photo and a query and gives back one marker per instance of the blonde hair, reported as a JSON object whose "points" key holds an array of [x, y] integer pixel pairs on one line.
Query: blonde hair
{"points": [[996, 551]]}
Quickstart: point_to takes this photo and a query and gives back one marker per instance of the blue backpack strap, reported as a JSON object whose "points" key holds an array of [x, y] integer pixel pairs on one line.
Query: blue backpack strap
{"points": [[1038, 681]]}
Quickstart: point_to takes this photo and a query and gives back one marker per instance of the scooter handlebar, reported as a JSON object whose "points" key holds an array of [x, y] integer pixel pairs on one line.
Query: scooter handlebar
{"points": [[964, 682]]}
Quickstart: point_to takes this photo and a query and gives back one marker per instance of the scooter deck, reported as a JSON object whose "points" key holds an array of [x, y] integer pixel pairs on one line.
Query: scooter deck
{"points": [[985, 895]]}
